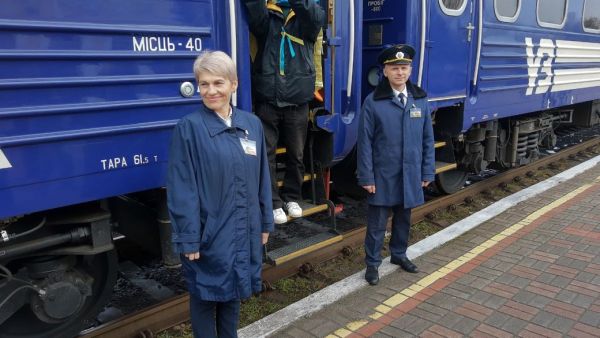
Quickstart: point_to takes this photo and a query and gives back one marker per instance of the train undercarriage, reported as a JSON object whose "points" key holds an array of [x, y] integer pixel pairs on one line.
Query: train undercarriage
{"points": [[55, 272], [503, 143], [58, 268]]}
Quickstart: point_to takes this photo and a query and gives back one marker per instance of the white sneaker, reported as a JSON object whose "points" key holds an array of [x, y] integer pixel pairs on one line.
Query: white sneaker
{"points": [[279, 216], [293, 209]]}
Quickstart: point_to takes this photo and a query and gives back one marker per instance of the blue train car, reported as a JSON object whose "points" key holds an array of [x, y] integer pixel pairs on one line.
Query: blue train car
{"points": [[89, 93], [501, 74]]}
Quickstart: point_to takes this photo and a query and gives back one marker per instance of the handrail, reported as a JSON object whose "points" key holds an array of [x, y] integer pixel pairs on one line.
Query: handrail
{"points": [[423, 33], [233, 38], [351, 51], [479, 35]]}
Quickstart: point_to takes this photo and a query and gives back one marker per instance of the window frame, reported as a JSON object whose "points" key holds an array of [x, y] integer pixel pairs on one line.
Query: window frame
{"points": [[507, 18], [585, 29], [549, 24], [452, 12]]}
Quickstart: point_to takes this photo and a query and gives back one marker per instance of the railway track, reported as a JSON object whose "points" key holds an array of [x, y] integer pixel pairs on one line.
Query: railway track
{"points": [[147, 322]]}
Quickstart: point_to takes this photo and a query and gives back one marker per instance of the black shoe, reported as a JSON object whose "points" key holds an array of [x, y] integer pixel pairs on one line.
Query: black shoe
{"points": [[372, 275], [405, 264]]}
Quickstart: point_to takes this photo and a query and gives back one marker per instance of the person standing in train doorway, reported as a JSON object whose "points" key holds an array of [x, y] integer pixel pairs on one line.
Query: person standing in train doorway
{"points": [[219, 199], [395, 157], [283, 80]]}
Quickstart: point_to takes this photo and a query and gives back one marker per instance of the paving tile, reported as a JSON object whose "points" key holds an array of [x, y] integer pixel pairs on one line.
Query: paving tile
{"points": [[595, 331], [588, 277], [444, 332], [391, 331], [561, 324], [506, 278], [560, 281], [284, 335], [324, 329], [490, 331], [497, 319], [465, 325], [566, 296], [583, 301], [411, 324], [514, 325], [519, 282], [311, 323], [532, 330], [590, 318], [419, 312], [500, 289], [403, 321], [495, 302], [445, 302], [297, 333], [480, 297]]}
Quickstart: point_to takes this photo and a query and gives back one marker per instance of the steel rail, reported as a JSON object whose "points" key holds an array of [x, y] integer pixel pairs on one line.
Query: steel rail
{"points": [[147, 322]]}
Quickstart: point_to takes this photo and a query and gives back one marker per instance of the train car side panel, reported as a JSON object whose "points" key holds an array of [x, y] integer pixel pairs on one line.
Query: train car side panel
{"points": [[87, 91]]}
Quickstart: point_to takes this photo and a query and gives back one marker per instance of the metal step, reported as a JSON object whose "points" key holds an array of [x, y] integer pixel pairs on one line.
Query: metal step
{"points": [[440, 167], [303, 246], [280, 175], [309, 209]]}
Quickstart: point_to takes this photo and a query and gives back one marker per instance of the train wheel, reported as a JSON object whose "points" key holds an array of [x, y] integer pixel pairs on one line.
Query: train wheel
{"points": [[451, 181], [27, 322]]}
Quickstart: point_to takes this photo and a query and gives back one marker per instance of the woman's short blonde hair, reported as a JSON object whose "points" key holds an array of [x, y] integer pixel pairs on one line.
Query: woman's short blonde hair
{"points": [[216, 63]]}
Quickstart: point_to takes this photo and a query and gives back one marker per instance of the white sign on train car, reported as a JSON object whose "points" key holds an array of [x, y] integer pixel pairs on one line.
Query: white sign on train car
{"points": [[166, 44]]}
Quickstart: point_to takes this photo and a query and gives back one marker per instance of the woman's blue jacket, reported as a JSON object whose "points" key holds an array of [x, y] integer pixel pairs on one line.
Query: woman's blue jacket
{"points": [[219, 198]]}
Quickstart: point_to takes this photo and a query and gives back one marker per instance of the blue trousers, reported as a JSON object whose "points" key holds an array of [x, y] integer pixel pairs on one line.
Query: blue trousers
{"points": [[214, 319], [376, 222]]}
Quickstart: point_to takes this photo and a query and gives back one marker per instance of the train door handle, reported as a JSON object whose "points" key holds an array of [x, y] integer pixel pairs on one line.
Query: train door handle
{"points": [[470, 29]]}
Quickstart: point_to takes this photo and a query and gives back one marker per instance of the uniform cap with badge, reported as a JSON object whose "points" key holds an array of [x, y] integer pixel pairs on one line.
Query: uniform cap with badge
{"points": [[396, 55]]}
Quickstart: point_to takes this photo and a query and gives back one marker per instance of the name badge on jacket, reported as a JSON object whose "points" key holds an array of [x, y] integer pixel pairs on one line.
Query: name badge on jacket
{"points": [[249, 146], [415, 112]]}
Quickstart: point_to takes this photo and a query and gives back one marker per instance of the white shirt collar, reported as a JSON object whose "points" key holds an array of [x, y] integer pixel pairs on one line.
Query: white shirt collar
{"points": [[404, 91], [227, 120]]}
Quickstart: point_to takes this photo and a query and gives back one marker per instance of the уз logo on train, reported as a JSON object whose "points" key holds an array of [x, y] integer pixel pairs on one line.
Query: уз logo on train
{"points": [[557, 65]]}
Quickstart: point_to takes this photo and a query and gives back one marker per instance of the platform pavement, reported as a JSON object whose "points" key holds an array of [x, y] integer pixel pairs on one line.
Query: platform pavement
{"points": [[531, 271]]}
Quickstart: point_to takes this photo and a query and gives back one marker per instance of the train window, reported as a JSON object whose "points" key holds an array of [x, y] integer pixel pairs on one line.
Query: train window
{"points": [[591, 16], [507, 10], [453, 7], [552, 13]]}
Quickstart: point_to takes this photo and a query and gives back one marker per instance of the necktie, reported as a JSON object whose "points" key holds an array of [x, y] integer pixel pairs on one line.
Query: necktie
{"points": [[402, 99]]}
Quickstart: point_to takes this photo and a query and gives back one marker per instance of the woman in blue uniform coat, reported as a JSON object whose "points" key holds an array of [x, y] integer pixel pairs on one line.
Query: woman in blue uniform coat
{"points": [[219, 197], [395, 157]]}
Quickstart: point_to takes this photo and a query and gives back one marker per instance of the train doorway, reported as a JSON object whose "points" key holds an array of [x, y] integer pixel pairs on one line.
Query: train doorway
{"points": [[450, 37]]}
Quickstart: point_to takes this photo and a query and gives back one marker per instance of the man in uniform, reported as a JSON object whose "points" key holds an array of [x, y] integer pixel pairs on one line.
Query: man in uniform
{"points": [[395, 157]]}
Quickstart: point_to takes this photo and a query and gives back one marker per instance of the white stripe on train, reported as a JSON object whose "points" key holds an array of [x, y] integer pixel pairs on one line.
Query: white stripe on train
{"points": [[542, 76]]}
